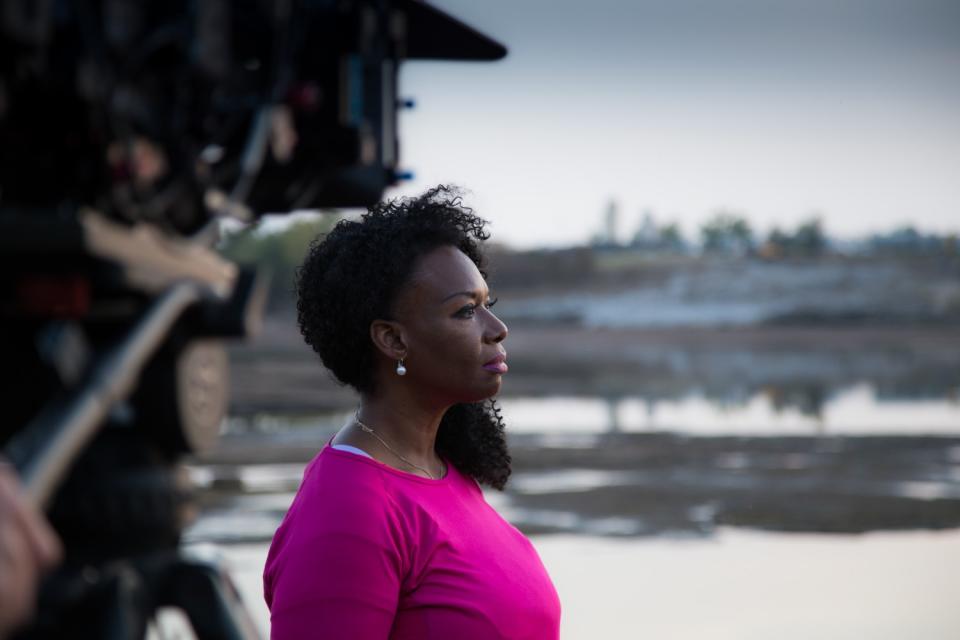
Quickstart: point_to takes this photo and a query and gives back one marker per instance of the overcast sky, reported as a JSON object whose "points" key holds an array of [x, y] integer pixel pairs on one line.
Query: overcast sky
{"points": [[778, 110]]}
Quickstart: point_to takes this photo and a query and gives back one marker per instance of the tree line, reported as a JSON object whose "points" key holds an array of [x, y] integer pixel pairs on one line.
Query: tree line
{"points": [[277, 253], [729, 233]]}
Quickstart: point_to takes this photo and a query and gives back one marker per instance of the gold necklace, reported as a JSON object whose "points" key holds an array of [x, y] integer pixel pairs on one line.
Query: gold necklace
{"points": [[367, 429]]}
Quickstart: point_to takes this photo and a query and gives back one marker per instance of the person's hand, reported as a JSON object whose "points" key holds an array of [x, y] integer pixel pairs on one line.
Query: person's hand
{"points": [[28, 547]]}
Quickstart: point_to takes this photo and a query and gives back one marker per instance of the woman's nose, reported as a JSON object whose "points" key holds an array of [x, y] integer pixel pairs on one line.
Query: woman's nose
{"points": [[496, 330]]}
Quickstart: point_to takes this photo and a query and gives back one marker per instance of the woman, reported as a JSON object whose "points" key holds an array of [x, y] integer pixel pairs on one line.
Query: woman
{"points": [[389, 535]]}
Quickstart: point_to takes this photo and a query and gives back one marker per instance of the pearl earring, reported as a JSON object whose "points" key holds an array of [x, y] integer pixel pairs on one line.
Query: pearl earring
{"points": [[401, 370]]}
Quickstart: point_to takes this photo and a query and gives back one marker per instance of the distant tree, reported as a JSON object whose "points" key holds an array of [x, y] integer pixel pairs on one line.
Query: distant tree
{"points": [[727, 232], [908, 241], [951, 244], [279, 252], [807, 240], [776, 244], [671, 237]]}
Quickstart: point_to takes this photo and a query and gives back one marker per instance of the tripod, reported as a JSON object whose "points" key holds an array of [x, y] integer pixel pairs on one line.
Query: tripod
{"points": [[123, 503]]}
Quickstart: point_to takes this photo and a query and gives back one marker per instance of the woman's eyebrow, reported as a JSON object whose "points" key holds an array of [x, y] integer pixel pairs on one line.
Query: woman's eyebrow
{"points": [[469, 294]]}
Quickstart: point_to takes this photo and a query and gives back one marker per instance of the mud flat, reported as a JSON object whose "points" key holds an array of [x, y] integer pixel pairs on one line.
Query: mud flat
{"points": [[653, 484], [643, 484]]}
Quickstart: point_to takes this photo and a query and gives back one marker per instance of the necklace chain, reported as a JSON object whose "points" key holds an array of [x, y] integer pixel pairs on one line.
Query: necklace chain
{"points": [[369, 430]]}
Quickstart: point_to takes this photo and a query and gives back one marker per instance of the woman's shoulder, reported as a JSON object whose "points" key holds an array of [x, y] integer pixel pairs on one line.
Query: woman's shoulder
{"points": [[338, 501], [342, 512], [341, 485], [338, 480]]}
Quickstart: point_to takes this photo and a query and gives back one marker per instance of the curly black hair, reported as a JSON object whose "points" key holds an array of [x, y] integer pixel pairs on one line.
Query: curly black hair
{"points": [[352, 276]]}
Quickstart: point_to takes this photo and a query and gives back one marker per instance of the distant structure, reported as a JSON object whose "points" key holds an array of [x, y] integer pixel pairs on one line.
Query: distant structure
{"points": [[612, 222], [607, 237], [647, 235]]}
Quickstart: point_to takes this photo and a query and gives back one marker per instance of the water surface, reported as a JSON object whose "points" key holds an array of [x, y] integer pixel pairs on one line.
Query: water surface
{"points": [[740, 517], [737, 586]]}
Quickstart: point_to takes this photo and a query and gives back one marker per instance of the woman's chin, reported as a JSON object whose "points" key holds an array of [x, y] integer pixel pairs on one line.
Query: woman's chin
{"points": [[489, 391]]}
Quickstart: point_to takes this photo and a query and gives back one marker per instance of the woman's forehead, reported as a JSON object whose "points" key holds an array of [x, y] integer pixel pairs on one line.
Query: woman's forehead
{"points": [[444, 271]]}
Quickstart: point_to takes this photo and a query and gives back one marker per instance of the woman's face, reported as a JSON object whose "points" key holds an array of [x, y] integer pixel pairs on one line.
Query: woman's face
{"points": [[452, 339]]}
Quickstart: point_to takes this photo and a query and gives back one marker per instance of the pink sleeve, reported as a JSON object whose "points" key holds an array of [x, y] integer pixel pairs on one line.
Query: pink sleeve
{"points": [[338, 574]]}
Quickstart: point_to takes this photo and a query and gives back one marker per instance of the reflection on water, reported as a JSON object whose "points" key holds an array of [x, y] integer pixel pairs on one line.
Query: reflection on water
{"points": [[288, 429], [856, 410], [630, 467], [255, 478], [570, 480]]}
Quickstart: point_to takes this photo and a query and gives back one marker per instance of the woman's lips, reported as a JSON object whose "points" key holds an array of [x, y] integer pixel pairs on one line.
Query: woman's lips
{"points": [[498, 364]]}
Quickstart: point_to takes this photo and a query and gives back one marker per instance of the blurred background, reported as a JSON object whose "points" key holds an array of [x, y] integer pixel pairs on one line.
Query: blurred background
{"points": [[725, 242]]}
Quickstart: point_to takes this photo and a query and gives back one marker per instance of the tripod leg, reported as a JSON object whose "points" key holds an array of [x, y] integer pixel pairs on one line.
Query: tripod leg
{"points": [[108, 603], [205, 592]]}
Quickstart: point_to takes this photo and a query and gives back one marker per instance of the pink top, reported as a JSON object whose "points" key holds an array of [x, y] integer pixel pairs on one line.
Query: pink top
{"points": [[368, 551]]}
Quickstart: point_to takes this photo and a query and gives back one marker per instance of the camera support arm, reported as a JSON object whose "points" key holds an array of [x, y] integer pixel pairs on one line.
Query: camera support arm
{"points": [[45, 450]]}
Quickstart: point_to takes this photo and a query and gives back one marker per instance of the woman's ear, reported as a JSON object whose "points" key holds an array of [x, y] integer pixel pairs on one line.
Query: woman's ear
{"points": [[387, 337]]}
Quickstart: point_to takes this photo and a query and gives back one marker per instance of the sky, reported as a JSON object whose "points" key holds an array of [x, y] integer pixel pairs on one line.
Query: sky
{"points": [[773, 109]]}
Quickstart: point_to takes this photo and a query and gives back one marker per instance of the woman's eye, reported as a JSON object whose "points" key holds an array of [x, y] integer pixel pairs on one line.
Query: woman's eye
{"points": [[467, 311], [471, 309]]}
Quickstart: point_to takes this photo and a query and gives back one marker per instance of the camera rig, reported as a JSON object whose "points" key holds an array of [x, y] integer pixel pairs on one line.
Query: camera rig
{"points": [[128, 130]]}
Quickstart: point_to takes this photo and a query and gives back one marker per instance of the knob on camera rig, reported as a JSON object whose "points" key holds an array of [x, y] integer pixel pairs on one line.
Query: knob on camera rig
{"points": [[128, 129]]}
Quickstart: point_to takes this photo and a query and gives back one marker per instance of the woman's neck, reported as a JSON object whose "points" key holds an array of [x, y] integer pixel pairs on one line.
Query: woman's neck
{"points": [[408, 426]]}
